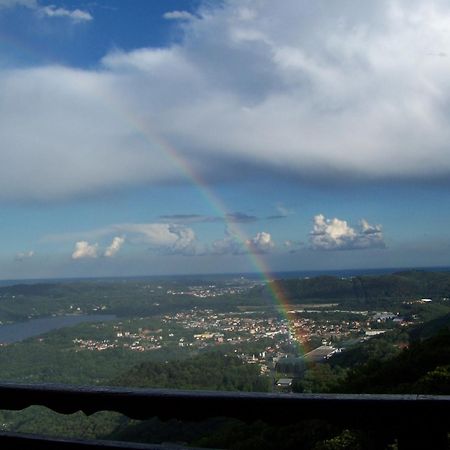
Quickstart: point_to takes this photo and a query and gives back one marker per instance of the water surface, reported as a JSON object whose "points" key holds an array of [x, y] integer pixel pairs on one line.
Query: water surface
{"points": [[19, 331]]}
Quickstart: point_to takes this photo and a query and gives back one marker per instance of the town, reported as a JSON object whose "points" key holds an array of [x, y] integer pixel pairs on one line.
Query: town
{"points": [[257, 337]]}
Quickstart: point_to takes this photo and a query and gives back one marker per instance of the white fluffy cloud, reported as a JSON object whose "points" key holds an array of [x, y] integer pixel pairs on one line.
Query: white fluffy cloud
{"points": [[75, 15], [178, 15], [114, 247], [84, 250], [336, 234], [233, 244], [318, 89], [260, 243]]}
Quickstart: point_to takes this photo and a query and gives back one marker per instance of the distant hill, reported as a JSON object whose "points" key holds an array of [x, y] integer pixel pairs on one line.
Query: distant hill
{"points": [[369, 289], [28, 289]]}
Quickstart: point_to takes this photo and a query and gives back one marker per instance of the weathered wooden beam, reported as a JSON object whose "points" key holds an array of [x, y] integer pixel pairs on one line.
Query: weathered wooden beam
{"points": [[353, 409], [413, 419]]}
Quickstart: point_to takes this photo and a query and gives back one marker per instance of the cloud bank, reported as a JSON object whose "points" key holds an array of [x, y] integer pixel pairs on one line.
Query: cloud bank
{"points": [[162, 238], [317, 90], [179, 239]]}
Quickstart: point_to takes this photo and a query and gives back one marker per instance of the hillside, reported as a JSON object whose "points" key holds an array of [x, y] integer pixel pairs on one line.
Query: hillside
{"points": [[209, 371], [368, 290], [423, 368]]}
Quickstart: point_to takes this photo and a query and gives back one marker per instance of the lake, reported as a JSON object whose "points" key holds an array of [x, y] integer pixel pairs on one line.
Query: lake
{"points": [[19, 331]]}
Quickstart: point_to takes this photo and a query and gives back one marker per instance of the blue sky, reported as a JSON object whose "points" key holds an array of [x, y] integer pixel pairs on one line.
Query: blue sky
{"points": [[158, 137]]}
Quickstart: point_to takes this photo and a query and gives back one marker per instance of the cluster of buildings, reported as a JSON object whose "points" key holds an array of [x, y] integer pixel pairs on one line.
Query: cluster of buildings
{"points": [[257, 337], [209, 291], [143, 340], [237, 324]]}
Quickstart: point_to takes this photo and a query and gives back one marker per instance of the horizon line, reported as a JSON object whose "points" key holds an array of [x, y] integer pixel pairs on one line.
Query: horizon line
{"points": [[335, 272]]}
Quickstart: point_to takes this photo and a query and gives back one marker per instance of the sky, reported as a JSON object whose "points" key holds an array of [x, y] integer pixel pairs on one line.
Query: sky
{"points": [[181, 137]]}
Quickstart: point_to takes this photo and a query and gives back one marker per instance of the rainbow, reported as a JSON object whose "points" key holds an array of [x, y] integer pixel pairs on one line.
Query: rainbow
{"points": [[144, 129]]}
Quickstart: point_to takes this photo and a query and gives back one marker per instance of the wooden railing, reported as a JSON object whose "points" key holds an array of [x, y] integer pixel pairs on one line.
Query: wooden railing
{"points": [[417, 422]]}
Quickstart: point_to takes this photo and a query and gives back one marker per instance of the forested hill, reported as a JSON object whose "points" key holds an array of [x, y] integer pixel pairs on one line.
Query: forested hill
{"points": [[210, 371], [423, 368], [430, 328], [356, 290]]}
